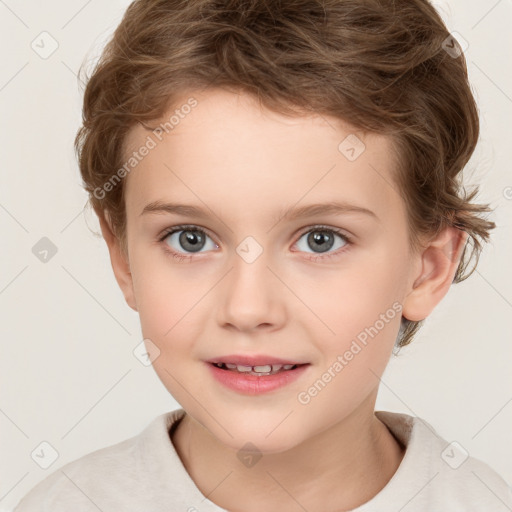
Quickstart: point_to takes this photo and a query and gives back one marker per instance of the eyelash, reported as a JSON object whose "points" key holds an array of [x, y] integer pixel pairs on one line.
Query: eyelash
{"points": [[181, 257]]}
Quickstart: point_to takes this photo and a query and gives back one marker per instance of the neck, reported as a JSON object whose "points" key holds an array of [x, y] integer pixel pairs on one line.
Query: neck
{"points": [[338, 469]]}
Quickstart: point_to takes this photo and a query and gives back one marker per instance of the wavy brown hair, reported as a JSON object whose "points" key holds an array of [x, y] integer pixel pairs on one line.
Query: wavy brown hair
{"points": [[379, 65]]}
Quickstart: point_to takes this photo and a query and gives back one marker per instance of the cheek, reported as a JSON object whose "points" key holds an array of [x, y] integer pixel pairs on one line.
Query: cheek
{"points": [[167, 298], [362, 308], [169, 307], [365, 324]]}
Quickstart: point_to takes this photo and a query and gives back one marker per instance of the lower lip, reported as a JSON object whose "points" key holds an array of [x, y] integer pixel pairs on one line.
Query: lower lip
{"points": [[253, 384]]}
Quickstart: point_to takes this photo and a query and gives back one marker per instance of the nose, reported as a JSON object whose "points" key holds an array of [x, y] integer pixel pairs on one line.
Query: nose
{"points": [[251, 296]]}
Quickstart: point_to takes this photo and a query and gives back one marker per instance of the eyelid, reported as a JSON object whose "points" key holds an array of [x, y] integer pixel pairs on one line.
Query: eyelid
{"points": [[319, 227], [184, 227]]}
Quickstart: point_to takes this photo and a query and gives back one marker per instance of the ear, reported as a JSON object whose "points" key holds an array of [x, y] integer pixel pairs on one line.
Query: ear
{"points": [[120, 263], [438, 263]]}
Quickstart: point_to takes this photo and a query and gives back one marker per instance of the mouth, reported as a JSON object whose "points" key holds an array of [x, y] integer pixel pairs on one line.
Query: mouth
{"points": [[257, 370], [256, 378]]}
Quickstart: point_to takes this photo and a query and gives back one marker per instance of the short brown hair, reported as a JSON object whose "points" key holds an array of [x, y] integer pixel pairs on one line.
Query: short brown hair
{"points": [[379, 65]]}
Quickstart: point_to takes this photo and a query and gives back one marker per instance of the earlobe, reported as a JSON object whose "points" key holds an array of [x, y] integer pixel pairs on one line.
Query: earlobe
{"points": [[119, 261], [438, 265]]}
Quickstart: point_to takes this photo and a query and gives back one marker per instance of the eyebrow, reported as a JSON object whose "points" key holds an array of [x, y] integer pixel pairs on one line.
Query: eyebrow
{"points": [[331, 207]]}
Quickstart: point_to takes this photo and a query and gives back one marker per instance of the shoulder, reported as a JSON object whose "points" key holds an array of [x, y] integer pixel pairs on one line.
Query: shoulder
{"points": [[98, 480], [466, 481], [436, 473]]}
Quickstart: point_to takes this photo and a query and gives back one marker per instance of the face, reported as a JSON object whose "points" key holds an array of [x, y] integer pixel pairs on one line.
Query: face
{"points": [[323, 289]]}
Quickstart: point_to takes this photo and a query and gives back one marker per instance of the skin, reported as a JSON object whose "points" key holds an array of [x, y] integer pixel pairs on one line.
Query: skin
{"points": [[243, 165]]}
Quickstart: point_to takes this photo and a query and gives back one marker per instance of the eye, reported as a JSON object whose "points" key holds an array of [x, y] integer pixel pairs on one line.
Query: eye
{"points": [[188, 238], [193, 239], [323, 239]]}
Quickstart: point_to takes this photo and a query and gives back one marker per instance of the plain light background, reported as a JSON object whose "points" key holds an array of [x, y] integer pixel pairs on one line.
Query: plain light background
{"points": [[68, 375]]}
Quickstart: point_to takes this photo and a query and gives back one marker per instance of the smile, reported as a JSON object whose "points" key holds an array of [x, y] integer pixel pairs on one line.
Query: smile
{"points": [[255, 380]]}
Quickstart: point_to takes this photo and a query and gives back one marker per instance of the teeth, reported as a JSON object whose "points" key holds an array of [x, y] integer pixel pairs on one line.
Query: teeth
{"points": [[262, 369], [266, 369]]}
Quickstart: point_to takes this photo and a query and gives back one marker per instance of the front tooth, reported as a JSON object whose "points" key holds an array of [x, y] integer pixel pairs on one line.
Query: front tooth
{"points": [[263, 369], [276, 367], [243, 368]]}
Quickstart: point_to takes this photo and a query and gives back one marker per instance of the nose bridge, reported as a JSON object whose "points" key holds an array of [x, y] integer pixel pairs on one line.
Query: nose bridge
{"points": [[251, 291]]}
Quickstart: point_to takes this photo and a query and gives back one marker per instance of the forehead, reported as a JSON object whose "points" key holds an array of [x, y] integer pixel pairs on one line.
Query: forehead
{"points": [[229, 153]]}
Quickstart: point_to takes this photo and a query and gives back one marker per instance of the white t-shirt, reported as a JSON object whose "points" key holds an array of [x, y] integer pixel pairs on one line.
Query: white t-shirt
{"points": [[145, 474]]}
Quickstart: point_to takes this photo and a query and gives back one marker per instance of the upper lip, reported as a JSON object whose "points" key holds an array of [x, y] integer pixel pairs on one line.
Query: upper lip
{"points": [[252, 360]]}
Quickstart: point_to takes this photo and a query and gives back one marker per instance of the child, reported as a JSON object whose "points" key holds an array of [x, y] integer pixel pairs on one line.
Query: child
{"points": [[222, 141]]}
